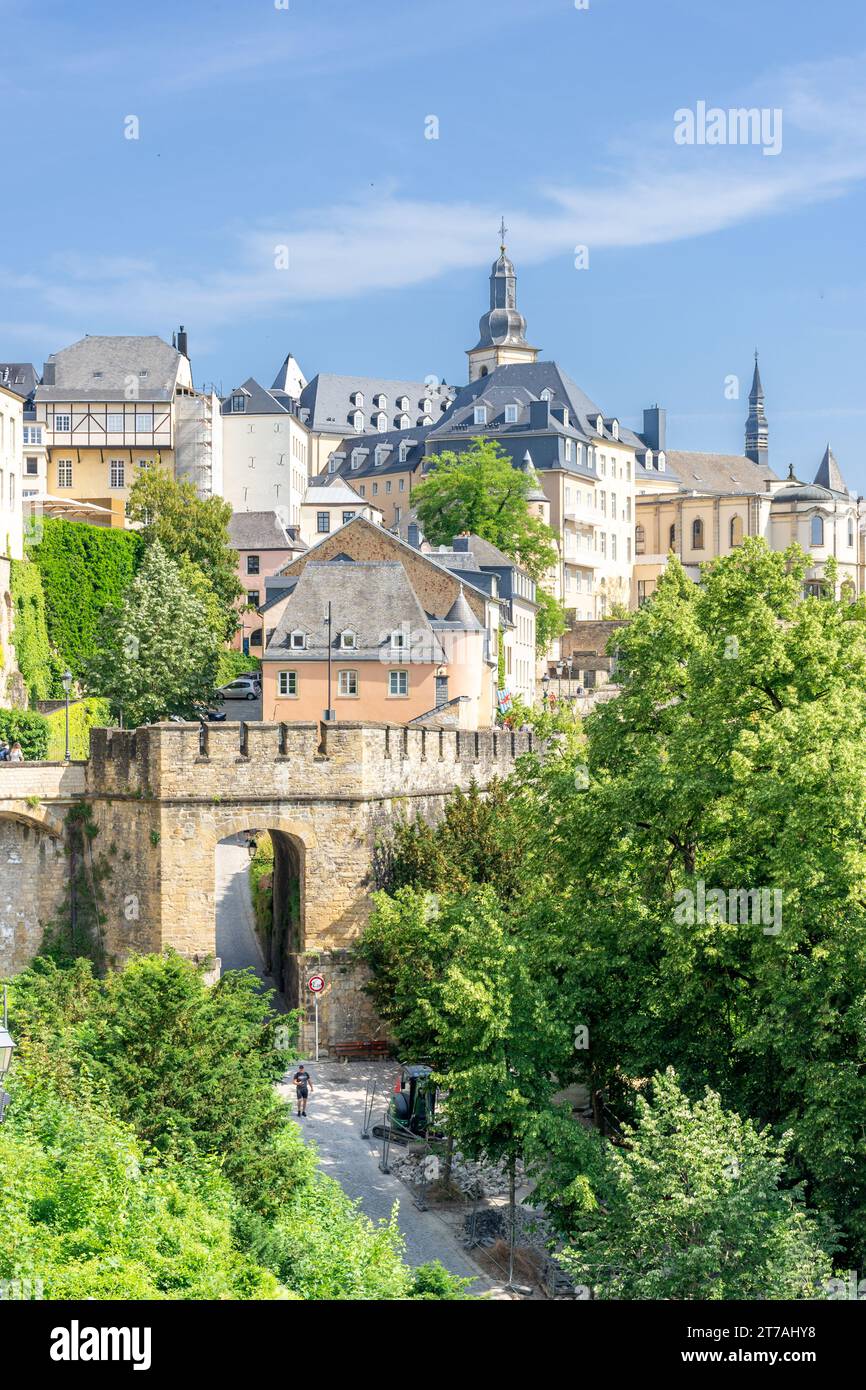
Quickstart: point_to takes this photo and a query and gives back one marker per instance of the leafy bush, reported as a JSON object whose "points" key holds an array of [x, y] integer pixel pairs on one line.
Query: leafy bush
{"points": [[29, 728], [232, 664]]}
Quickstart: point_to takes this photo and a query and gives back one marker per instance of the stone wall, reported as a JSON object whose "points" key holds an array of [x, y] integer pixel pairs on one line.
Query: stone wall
{"points": [[163, 797]]}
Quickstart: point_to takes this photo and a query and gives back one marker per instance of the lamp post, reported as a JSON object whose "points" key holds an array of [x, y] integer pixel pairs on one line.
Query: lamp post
{"points": [[7, 1047], [329, 713], [545, 687], [560, 667], [67, 686]]}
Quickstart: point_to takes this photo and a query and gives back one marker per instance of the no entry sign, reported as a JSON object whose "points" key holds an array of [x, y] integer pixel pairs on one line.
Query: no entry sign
{"points": [[316, 983]]}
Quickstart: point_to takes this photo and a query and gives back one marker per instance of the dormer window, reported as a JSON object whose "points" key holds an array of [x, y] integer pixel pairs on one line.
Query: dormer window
{"points": [[403, 422], [239, 402], [404, 451], [648, 461], [380, 401], [480, 417], [661, 463], [599, 425], [425, 420], [332, 464], [614, 429], [398, 640], [382, 452], [547, 394], [358, 422], [298, 640], [357, 457], [568, 449], [381, 422], [402, 402], [426, 405], [511, 414], [357, 398], [348, 640]]}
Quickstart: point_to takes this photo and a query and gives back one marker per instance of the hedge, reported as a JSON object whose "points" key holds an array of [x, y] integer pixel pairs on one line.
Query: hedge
{"points": [[39, 667], [27, 727], [84, 569]]}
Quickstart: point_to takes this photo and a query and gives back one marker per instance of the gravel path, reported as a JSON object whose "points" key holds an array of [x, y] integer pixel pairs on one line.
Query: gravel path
{"points": [[334, 1124]]}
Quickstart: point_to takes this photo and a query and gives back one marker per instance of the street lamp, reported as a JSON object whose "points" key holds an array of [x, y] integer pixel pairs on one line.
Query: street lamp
{"points": [[545, 687], [7, 1047], [67, 686], [560, 667], [329, 712]]}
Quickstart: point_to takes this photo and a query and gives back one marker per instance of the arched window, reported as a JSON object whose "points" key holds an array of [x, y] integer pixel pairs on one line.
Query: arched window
{"points": [[672, 537], [697, 534], [484, 371], [639, 540], [736, 530], [816, 536]]}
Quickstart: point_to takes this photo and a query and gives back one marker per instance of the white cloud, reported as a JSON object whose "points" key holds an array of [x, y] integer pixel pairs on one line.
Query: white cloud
{"points": [[658, 193]]}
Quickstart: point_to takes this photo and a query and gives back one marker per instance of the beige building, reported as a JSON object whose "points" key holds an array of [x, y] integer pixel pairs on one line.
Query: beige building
{"points": [[721, 498], [110, 406], [326, 509]]}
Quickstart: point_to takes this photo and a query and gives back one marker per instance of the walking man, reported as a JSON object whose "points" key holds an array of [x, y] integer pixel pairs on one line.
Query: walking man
{"points": [[303, 1085]]}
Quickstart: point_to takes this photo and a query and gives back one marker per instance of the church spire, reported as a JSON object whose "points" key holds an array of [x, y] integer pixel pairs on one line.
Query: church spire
{"points": [[757, 429], [502, 330]]}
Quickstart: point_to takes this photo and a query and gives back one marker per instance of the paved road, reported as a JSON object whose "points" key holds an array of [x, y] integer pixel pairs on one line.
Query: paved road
{"points": [[242, 709], [334, 1124], [236, 941]]}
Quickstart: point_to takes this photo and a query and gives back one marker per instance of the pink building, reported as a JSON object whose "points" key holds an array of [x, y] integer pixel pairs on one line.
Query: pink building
{"points": [[264, 545], [390, 661]]}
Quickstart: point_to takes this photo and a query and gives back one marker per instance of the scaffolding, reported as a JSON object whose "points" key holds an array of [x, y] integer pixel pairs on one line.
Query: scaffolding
{"points": [[198, 457]]}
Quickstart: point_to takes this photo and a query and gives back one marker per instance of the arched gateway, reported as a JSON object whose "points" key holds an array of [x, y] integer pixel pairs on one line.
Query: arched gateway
{"points": [[164, 796]]}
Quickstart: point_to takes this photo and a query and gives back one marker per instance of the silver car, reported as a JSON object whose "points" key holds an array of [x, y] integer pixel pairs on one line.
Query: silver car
{"points": [[244, 688]]}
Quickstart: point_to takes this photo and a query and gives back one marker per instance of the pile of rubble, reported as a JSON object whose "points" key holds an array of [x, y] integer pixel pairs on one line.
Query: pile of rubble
{"points": [[480, 1179]]}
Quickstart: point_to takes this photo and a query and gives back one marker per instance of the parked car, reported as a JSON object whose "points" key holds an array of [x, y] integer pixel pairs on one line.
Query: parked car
{"points": [[243, 688]]}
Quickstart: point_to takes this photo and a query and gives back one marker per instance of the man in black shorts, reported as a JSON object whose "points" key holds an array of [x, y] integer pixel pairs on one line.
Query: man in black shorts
{"points": [[303, 1085]]}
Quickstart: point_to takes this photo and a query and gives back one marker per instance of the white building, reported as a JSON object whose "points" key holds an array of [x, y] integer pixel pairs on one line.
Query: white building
{"points": [[265, 452]]}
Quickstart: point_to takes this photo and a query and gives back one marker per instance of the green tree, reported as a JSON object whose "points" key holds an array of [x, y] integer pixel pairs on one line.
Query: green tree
{"points": [[190, 528], [158, 652], [481, 491], [693, 1206]]}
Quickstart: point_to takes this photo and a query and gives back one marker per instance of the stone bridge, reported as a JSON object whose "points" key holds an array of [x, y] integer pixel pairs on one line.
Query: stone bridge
{"points": [[164, 796]]}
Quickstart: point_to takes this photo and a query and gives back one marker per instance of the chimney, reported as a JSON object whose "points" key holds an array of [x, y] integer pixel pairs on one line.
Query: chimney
{"points": [[461, 543], [413, 535], [539, 415], [182, 343], [48, 369], [654, 426]]}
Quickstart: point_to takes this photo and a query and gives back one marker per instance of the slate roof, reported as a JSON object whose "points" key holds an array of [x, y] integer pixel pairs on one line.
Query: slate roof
{"points": [[98, 368], [327, 399], [261, 531], [521, 383], [716, 473], [829, 474], [259, 400], [333, 493], [19, 377], [370, 598]]}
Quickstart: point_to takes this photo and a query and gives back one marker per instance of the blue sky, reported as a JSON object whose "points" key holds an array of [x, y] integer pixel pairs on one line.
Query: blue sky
{"points": [[305, 128]]}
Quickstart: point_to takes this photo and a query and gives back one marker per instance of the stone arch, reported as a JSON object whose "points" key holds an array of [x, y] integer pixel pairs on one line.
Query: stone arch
{"points": [[33, 875], [292, 841], [39, 818]]}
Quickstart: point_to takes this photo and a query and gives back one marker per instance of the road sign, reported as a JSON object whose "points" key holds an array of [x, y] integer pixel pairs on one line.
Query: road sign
{"points": [[316, 983]]}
